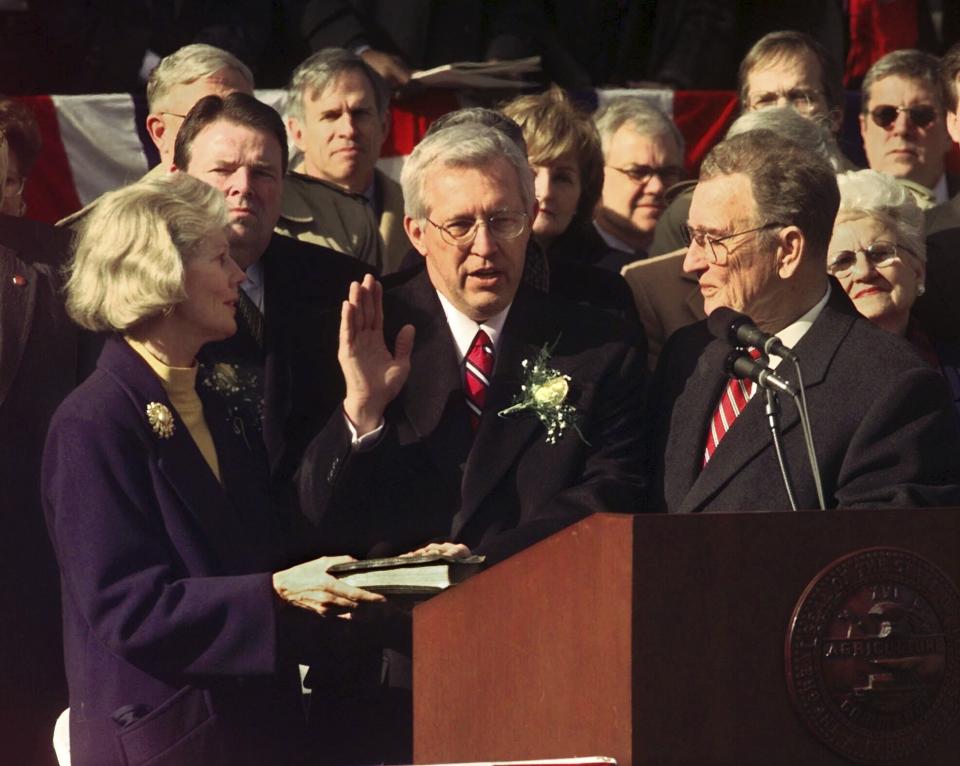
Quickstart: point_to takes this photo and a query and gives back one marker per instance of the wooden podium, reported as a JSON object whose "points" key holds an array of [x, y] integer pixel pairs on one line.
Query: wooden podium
{"points": [[662, 640]]}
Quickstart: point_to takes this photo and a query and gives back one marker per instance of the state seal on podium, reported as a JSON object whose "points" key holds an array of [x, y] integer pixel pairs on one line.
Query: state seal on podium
{"points": [[873, 655]]}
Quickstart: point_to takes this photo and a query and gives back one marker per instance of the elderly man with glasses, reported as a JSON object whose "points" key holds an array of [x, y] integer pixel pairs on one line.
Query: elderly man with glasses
{"points": [[903, 123], [643, 157], [480, 415], [886, 435]]}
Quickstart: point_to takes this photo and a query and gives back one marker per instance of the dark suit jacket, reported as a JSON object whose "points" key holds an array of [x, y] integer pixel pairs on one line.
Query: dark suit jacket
{"points": [[38, 368], [584, 244], [938, 309], [301, 281], [431, 479], [172, 630], [504, 488], [885, 431]]}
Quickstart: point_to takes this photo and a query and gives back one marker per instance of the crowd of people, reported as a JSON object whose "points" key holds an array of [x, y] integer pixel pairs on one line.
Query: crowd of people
{"points": [[220, 380]]}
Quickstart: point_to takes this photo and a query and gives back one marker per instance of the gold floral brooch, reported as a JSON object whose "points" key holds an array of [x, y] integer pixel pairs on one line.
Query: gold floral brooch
{"points": [[161, 419]]}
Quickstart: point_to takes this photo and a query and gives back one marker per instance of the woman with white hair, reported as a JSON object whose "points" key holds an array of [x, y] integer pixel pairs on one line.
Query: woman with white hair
{"points": [[878, 254], [178, 626]]}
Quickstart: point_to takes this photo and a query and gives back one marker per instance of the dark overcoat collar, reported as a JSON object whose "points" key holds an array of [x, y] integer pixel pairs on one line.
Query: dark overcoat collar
{"points": [[18, 295], [432, 401], [180, 461], [748, 436]]}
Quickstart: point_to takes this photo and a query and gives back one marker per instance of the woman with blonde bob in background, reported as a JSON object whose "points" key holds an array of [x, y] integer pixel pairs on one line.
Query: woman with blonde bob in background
{"points": [[563, 148], [179, 626], [878, 254]]}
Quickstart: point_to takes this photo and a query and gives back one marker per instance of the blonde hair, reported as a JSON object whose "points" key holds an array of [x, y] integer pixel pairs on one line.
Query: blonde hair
{"points": [[128, 264], [553, 128]]}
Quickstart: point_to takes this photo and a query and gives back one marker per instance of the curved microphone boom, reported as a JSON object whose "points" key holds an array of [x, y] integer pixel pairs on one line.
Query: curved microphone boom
{"points": [[739, 330]]}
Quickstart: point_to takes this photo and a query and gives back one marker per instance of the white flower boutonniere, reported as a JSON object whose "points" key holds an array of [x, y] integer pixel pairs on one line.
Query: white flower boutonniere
{"points": [[161, 419], [544, 393]]}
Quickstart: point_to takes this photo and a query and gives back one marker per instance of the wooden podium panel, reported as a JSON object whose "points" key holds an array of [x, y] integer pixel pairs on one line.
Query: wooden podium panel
{"points": [[653, 639]]}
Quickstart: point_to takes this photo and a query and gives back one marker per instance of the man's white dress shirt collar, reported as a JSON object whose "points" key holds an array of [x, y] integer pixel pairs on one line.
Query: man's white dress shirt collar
{"points": [[253, 284], [615, 242], [464, 329], [791, 334]]}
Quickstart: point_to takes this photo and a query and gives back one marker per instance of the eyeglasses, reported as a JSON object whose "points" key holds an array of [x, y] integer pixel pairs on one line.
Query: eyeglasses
{"points": [[641, 174], [713, 247], [879, 254], [803, 100], [920, 116], [461, 232], [174, 114]]}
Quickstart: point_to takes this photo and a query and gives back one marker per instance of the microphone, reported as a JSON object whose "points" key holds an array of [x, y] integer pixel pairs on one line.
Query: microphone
{"points": [[739, 330], [739, 364]]}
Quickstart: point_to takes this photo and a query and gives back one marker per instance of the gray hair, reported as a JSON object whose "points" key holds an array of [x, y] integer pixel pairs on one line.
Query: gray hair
{"points": [[911, 65], [128, 264], [645, 118], [480, 115], [791, 186], [318, 71], [809, 133], [869, 193], [188, 64], [468, 145]]}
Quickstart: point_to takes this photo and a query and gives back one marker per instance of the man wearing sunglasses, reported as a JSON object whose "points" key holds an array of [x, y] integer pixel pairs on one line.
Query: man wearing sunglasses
{"points": [[903, 123], [760, 224]]}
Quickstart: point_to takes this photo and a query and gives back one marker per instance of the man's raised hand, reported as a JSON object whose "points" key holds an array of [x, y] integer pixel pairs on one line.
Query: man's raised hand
{"points": [[373, 375]]}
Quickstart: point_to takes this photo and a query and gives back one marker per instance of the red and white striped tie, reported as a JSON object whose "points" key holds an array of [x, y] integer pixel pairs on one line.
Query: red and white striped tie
{"points": [[478, 368], [735, 397]]}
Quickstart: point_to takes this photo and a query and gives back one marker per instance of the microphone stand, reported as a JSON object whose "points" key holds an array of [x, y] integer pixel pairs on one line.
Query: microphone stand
{"points": [[773, 421]]}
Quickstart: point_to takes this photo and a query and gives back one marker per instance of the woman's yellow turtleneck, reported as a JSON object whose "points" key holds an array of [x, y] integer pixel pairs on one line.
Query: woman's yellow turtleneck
{"points": [[180, 383]]}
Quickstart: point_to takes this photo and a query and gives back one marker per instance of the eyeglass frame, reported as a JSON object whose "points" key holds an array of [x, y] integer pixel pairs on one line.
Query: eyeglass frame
{"points": [[897, 247], [690, 238], [470, 237], [641, 180], [809, 96], [900, 109]]}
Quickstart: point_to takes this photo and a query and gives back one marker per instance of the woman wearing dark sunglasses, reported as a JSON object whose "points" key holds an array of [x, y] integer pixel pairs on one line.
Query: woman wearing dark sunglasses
{"points": [[878, 254]]}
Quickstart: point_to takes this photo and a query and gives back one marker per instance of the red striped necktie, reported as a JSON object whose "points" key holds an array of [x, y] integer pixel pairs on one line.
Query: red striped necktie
{"points": [[735, 397], [478, 368]]}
